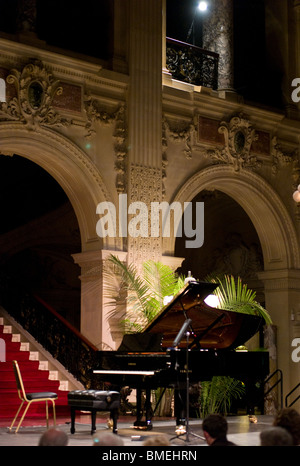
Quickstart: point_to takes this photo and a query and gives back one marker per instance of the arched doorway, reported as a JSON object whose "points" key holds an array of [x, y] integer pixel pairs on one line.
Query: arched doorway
{"points": [[69, 166], [38, 233], [82, 183], [279, 244]]}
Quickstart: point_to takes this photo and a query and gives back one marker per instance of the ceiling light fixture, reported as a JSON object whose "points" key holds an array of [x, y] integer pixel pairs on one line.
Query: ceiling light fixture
{"points": [[202, 6]]}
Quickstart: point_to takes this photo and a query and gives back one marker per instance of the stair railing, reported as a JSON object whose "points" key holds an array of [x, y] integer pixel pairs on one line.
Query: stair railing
{"points": [[278, 382], [288, 405], [63, 341]]}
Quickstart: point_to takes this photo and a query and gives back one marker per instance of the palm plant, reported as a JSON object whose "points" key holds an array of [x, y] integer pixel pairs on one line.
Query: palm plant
{"points": [[233, 295], [139, 293], [216, 395]]}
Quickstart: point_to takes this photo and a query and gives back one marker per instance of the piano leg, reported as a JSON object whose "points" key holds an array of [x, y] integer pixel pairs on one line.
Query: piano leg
{"points": [[139, 412], [148, 408], [144, 425], [114, 416], [251, 395], [93, 420]]}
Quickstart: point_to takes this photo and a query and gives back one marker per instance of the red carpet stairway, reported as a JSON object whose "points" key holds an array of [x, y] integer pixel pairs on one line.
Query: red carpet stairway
{"points": [[34, 380]]}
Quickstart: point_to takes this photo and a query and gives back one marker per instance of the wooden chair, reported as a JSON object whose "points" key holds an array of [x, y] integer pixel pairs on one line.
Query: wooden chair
{"points": [[30, 398]]}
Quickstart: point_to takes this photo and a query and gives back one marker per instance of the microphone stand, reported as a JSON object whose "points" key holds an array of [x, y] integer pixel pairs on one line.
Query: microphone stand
{"points": [[187, 433]]}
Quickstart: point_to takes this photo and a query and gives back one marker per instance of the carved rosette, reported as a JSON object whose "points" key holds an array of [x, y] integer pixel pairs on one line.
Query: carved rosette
{"points": [[35, 88]]}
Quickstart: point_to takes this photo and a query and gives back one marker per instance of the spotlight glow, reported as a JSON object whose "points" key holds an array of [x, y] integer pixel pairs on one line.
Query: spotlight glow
{"points": [[212, 300], [202, 6]]}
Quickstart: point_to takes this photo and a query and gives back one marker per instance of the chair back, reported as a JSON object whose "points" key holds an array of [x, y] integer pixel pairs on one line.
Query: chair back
{"points": [[19, 381]]}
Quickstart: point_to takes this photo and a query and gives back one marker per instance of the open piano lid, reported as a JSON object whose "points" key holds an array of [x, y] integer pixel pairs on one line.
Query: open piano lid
{"points": [[210, 327]]}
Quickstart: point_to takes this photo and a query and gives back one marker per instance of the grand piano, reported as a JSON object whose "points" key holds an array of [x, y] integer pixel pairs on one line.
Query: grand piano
{"points": [[187, 342]]}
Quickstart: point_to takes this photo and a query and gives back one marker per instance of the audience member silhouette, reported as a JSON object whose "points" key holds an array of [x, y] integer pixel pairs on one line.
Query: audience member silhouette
{"points": [[53, 438], [215, 431], [159, 440], [276, 437], [103, 439], [289, 419]]}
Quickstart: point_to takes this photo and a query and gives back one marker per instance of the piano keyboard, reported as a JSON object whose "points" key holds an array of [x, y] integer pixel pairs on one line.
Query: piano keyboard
{"points": [[120, 372]]}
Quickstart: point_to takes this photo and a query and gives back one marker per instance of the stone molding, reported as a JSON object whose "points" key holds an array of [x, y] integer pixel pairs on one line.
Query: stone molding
{"points": [[264, 207], [279, 280]]}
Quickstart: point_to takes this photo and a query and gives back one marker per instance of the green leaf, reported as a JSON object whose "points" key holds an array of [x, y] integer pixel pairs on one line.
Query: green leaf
{"points": [[233, 295], [141, 295]]}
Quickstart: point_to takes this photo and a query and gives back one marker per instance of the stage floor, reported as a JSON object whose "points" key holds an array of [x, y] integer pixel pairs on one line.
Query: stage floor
{"points": [[240, 430]]}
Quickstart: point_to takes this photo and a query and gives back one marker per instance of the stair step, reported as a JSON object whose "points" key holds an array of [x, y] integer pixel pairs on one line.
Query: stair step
{"points": [[53, 375], [33, 355], [43, 365], [7, 329], [36, 373], [24, 346], [64, 386]]}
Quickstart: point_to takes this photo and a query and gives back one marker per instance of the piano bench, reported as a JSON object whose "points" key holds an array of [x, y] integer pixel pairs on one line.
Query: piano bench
{"points": [[94, 400]]}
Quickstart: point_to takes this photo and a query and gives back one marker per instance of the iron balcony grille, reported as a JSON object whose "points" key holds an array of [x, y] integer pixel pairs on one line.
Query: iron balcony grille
{"points": [[192, 64]]}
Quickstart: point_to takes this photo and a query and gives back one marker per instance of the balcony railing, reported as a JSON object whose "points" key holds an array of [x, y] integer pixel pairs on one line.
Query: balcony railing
{"points": [[192, 64]]}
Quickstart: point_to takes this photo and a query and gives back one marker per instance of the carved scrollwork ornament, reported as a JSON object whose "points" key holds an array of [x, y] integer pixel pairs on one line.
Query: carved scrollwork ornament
{"points": [[32, 105], [283, 157], [181, 132], [239, 135]]}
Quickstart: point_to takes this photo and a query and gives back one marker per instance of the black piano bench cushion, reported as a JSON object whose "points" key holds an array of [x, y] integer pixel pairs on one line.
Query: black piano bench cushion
{"points": [[97, 399], [94, 400]]}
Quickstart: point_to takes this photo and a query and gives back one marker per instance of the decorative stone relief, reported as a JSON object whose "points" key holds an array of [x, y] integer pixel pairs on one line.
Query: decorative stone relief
{"points": [[239, 135], [164, 158], [145, 186], [96, 114], [181, 132], [236, 258], [120, 138], [284, 158], [35, 88]]}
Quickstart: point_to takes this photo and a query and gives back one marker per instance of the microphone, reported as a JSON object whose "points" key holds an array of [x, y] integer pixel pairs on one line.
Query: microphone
{"points": [[181, 332]]}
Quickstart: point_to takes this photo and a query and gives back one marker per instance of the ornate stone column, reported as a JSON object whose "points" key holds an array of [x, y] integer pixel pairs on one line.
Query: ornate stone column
{"points": [[218, 37], [293, 109], [95, 324], [296, 10], [145, 120]]}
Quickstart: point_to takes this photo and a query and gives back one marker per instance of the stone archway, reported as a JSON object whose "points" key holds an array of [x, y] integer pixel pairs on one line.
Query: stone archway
{"points": [[262, 204], [69, 166], [280, 247], [83, 185]]}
